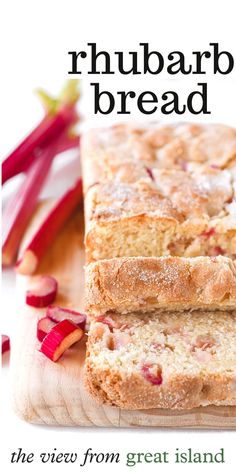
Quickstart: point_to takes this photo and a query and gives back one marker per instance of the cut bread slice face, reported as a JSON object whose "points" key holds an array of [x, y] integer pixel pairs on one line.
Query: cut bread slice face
{"points": [[174, 213], [177, 361], [146, 284]]}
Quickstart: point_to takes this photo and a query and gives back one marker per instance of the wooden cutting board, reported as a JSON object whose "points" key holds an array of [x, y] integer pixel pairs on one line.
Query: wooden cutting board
{"points": [[50, 393]]}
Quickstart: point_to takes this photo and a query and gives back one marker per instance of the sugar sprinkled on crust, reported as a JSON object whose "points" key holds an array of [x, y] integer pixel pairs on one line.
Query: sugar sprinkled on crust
{"points": [[146, 284]]}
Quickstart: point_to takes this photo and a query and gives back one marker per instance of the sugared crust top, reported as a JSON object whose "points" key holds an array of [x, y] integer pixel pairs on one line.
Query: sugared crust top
{"points": [[124, 152], [145, 283], [169, 194]]}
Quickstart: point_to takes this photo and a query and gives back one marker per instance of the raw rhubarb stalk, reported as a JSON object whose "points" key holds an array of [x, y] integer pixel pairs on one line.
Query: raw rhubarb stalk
{"points": [[70, 142], [60, 338], [21, 206], [44, 325], [5, 343], [46, 130], [57, 314], [43, 293], [49, 229], [60, 115]]}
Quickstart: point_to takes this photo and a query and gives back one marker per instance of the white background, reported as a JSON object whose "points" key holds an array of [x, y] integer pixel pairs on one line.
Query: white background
{"points": [[35, 39]]}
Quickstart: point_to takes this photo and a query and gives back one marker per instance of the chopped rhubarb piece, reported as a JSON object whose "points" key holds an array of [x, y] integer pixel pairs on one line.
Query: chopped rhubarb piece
{"points": [[152, 373], [43, 293], [158, 346], [62, 336], [120, 340], [184, 165], [203, 343], [150, 173], [124, 327], [203, 356], [57, 314], [230, 200], [171, 330], [5, 343], [60, 115], [21, 206], [162, 347], [214, 166], [44, 325], [218, 251], [208, 233], [107, 321], [49, 229]]}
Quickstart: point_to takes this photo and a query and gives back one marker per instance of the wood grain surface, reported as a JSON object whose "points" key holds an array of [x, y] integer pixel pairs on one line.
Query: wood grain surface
{"points": [[50, 393]]}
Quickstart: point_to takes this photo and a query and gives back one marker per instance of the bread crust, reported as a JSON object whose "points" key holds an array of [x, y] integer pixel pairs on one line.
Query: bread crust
{"points": [[180, 393], [143, 284]]}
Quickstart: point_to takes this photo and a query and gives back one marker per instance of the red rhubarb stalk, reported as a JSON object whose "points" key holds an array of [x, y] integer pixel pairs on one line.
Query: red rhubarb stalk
{"points": [[70, 142], [57, 314], [60, 338], [21, 206], [5, 343], [43, 293], [60, 115], [44, 325], [49, 229]]}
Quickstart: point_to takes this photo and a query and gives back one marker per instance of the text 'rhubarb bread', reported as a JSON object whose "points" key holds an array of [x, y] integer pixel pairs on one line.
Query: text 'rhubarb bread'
{"points": [[145, 284], [181, 361], [136, 207]]}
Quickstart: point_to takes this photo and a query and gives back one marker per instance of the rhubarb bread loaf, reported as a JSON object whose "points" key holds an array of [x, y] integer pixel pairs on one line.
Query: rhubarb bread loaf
{"points": [[146, 284], [180, 361], [139, 203]]}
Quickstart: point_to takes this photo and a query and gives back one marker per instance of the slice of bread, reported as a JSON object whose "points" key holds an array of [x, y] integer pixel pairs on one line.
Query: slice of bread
{"points": [[145, 284], [180, 361]]}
